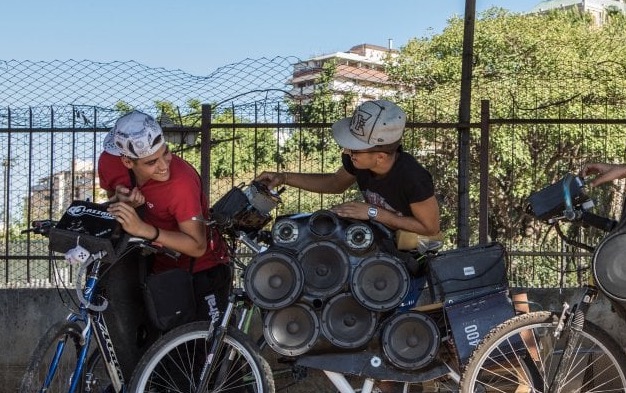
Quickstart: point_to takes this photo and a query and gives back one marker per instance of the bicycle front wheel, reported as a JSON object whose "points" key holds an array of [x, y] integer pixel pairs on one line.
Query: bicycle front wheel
{"points": [[52, 365], [522, 355], [175, 361]]}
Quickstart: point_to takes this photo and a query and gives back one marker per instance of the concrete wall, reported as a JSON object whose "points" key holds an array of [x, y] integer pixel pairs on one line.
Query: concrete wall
{"points": [[25, 314]]}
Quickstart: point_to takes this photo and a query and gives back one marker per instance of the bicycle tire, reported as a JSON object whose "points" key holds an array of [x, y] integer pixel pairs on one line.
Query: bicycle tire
{"points": [[174, 361], [520, 355], [69, 335]]}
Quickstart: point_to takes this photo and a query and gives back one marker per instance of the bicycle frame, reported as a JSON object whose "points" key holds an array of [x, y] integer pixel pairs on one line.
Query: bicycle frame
{"points": [[96, 328]]}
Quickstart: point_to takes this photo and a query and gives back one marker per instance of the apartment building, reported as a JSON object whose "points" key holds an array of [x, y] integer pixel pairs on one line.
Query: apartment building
{"points": [[52, 195], [360, 71]]}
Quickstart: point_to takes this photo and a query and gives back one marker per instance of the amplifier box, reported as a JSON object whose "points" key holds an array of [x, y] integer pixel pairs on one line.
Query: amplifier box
{"points": [[470, 321]]}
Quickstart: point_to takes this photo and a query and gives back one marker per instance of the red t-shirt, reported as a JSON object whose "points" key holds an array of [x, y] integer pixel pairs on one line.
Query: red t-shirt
{"points": [[167, 203]]}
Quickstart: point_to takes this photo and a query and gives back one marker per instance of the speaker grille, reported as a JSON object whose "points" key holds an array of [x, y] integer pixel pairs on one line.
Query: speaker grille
{"points": [[273, 280], [410, 340], [326, 268], [609, 268], [291, 331], [380, 282], [346, 323]]}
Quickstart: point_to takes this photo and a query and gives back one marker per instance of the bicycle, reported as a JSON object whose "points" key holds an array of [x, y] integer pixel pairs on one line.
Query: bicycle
{"points": [[65, 359], [559, 351], [402, 334], [217, 355]]}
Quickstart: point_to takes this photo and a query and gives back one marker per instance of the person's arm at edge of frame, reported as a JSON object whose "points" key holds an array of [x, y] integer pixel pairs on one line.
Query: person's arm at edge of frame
{"points": [[604, 172]]}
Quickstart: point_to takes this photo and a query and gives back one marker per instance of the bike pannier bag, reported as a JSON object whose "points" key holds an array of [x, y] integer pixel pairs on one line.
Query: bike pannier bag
{"points": [[467, 273], [169, 298], [470, 321]]}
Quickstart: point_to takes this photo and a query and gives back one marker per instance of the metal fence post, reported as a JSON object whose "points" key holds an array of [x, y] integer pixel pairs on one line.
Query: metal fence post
{"points": [[205, 152]]}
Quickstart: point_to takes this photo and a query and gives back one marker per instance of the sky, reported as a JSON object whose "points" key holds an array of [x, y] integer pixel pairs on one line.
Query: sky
{"points": [[199, 36]]}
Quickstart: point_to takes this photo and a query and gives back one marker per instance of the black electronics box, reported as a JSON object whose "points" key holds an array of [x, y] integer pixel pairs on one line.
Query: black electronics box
{"points": [[469, 272], [549, 202], [90, 225], [470, 321]]}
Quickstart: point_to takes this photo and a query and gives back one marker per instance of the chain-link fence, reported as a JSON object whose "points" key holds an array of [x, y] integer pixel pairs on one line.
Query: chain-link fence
{"points": [[54, 117]]}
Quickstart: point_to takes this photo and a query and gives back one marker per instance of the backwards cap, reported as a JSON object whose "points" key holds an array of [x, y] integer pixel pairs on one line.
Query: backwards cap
{"points": [[374, 123], [134, 135]]}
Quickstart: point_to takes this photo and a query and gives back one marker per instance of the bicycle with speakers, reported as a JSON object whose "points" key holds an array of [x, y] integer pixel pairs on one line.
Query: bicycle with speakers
{"points": [[78, 354], [337, 296], [561, 351]]}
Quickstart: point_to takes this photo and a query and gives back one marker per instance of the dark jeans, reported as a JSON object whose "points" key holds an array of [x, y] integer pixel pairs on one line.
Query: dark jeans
{"points": [[216, 280], [126, 317]]}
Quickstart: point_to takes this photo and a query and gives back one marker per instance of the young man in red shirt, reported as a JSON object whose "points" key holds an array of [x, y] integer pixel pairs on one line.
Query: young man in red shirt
{"points": [[157, 195]]}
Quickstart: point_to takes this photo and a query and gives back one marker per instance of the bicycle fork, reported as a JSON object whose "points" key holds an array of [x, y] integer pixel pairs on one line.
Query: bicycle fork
{"points": [[573, 322], [216, 337]]}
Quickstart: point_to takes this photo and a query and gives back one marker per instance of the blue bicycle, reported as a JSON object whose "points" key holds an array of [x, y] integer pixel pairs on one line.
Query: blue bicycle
{"points": [[77, 354]]}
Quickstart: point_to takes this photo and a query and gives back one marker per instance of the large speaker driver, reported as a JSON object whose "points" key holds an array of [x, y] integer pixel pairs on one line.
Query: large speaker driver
{"points": [[291, 331], [323, 223], [326, 268], [347, 324], [609, 268], [380, 282], [410, 340], [273, 280]]}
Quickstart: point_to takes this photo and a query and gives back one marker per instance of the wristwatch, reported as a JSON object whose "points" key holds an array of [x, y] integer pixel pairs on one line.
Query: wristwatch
{"points": [[372, 212]]}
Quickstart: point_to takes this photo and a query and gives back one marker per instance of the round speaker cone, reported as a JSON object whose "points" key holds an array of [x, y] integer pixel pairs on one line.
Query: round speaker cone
{"points": [[609, 268], [323, 223], [410, 340], [347, 324], [273, 280], [326, 268], [291, 331], [380, 282]]}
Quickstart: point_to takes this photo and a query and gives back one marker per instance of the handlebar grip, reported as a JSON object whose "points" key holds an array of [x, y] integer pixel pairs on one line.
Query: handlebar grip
{"points": [[596, 221]]}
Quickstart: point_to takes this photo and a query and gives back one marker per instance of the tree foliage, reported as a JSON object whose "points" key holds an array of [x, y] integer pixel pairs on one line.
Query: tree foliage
{"points": [[558, 65]]}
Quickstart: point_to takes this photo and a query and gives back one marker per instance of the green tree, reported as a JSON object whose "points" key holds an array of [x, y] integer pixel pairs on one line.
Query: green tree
{"points": [[557, 65]]}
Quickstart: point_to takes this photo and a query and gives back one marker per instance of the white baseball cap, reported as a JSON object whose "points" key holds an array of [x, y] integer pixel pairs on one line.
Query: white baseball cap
{"points": [[134, 135], [374, 123]]}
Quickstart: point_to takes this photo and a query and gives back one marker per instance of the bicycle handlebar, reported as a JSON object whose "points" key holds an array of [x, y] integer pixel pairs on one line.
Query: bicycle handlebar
{"points": [[599, 222], [40, 227]]}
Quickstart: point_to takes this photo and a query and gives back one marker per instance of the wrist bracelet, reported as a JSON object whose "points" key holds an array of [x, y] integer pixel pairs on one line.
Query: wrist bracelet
{"points": [[156, 236]]}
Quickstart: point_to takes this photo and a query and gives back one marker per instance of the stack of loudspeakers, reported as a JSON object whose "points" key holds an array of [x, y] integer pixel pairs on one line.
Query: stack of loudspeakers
{"points": [[328, 285]]}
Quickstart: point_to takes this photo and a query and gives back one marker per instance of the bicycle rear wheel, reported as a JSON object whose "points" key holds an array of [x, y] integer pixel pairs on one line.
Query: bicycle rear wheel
{"points": [[522, 355], [174, 362], [62, 342]]}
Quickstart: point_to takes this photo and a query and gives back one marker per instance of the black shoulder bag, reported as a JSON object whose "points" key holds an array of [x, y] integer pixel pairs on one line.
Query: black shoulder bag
{"points": [[168, 296]]}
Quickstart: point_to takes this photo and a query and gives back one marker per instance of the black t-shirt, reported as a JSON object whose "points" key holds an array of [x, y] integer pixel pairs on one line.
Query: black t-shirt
{"points": [[407, 182]]}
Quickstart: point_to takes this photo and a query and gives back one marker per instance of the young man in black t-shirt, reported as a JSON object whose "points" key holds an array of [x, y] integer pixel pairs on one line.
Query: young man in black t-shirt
{"points": [[398, 192]]}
